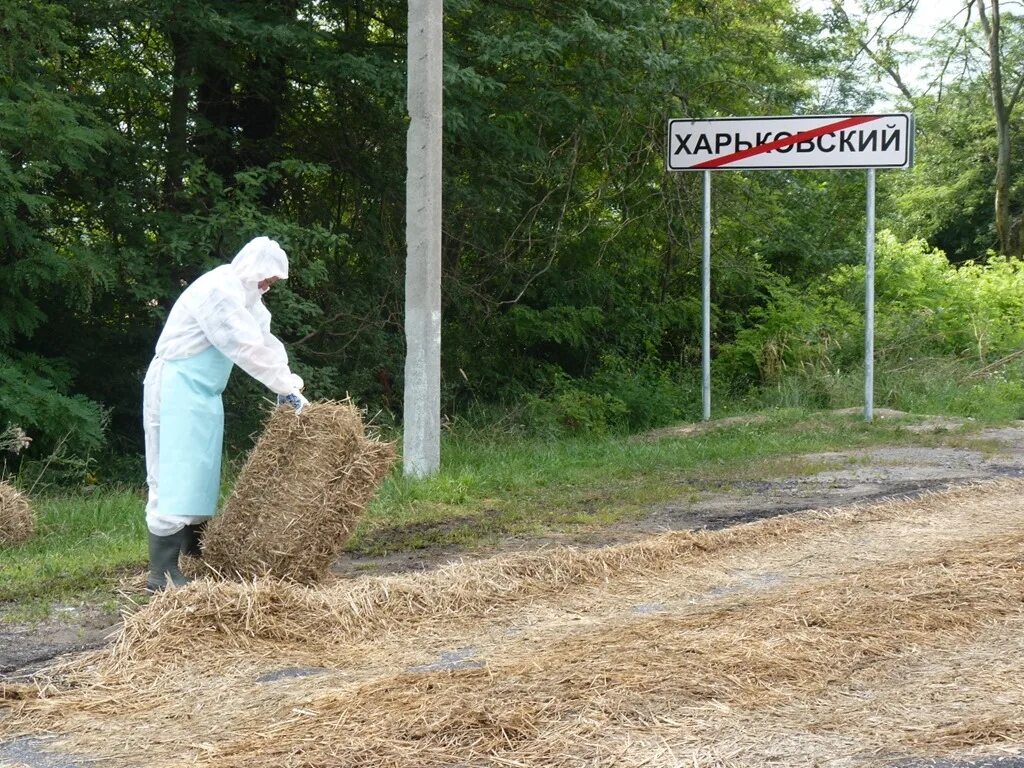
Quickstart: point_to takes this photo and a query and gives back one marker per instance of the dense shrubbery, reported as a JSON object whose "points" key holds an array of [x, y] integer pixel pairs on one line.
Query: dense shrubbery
{"points": [[621, 396], [938, 328], [143, 144]]}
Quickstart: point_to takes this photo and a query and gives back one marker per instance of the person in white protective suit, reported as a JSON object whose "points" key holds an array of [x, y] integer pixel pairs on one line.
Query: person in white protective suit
{"points": [[219, 321]]}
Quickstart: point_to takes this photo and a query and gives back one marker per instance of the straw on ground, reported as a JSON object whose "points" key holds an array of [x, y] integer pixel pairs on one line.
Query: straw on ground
{"points": [[17, 520], [847, 637]]}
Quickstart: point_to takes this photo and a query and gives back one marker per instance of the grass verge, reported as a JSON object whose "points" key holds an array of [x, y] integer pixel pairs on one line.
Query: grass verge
{"points": [[83, 543], [490, 487]]}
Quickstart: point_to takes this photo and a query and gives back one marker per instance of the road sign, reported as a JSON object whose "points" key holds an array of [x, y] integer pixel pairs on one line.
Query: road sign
{"points": [[816, 141], [777, 143]]}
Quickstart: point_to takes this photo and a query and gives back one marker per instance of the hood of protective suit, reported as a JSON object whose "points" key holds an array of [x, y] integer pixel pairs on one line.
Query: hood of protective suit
{"points": [[259, 259]]}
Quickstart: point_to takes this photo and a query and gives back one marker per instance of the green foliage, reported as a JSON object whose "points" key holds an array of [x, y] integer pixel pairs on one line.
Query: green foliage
{"points": [[34, 394], [949, 198], [574, 411], [143, 143], [946, 198], [52, 148], [585, 249], [936, 324], [620, 396], [922, 386], [926, 306]]}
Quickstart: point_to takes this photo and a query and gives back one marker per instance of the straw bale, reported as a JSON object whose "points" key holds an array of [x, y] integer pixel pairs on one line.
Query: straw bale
{"points": [[298, 498], [17, 520]]}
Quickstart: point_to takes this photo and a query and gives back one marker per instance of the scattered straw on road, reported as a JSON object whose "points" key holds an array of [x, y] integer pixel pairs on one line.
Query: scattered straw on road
{"points": [[860, 636]]}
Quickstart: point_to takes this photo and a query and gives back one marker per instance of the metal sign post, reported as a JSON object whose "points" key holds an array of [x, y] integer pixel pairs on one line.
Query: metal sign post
{"points": [[706, 303], [869, 303], [788, 143]]}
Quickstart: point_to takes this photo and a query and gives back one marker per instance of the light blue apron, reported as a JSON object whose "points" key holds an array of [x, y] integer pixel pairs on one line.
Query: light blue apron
{"points": [[192, 433]]}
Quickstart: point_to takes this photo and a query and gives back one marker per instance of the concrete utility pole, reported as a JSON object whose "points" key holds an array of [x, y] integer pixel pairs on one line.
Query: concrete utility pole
{"points": [[422, 415]]}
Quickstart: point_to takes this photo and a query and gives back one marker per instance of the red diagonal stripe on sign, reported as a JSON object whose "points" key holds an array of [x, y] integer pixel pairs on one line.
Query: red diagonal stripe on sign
{"points": [[814, 133]]}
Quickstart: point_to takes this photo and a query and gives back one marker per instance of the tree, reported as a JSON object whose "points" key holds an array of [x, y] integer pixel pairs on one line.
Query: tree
{"points": [[568, 254], [1003, 103], [53, 148], [993, 46]]}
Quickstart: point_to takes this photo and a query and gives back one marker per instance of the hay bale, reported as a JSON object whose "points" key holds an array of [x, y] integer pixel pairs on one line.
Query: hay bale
{"points": [[17, 521], [299, 496]]}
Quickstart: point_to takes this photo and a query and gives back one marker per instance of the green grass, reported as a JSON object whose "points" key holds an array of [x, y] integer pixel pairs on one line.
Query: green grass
{"points": [[938, 385], [490, 486], [83, 544]]}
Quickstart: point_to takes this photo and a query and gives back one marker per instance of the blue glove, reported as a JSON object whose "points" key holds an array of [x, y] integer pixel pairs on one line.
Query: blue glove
{"points": [[295, 400]]}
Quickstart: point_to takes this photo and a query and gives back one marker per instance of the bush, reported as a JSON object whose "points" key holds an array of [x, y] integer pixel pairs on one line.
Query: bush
{"points": [[573, 411], [935, 324], [33, 394], [651, 395], [621, 396]]}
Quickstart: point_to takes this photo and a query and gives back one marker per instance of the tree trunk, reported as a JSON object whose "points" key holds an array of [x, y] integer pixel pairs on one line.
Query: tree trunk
{"points": [[177, 124], [1008, 244], [215, 108], [264, 88], [1004, 227]]}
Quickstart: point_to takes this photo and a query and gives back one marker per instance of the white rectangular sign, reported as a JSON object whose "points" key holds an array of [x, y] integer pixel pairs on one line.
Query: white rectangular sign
{"points": [[815, 141]]}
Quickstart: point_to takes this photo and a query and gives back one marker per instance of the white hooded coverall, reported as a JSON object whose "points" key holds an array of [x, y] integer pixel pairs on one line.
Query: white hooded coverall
{"points": [[218, 322]]}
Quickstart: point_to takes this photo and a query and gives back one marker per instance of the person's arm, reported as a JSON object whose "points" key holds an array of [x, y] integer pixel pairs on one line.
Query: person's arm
{"points": [[262, 315], [231, 328]]}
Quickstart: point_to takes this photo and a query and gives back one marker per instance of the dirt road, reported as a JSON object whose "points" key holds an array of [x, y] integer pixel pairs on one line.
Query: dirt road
{"points": [[882, 635], [846, 478]]}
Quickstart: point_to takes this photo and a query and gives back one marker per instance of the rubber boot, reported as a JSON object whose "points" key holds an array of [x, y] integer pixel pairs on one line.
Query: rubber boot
{"points": [[193, 542], [163, 561]]}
